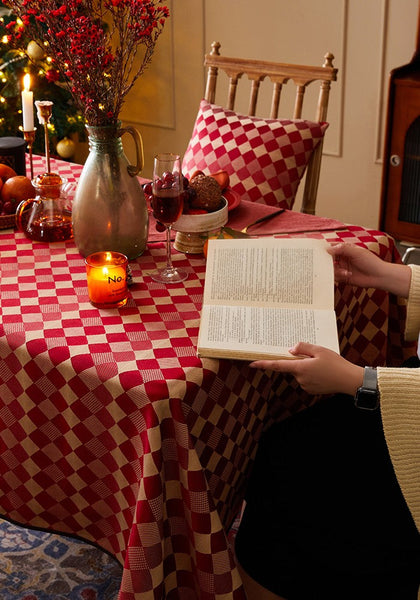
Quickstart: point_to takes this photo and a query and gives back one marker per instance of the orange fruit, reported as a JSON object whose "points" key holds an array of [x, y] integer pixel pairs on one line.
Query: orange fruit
{"points": [[17, 188], [222, 178], [6, 172], [223, 235]]}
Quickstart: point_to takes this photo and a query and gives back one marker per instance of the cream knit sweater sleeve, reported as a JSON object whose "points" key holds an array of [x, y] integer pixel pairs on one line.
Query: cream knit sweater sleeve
{"points": [[400, 408]]}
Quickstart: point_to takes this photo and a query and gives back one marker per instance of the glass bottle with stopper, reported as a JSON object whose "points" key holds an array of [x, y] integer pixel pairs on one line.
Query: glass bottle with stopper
{"points": [[47, 217]]}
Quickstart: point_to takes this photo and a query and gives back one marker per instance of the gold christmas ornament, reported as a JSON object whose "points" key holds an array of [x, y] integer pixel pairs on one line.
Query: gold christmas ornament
{"points": [[35, 51], [66, 148]]}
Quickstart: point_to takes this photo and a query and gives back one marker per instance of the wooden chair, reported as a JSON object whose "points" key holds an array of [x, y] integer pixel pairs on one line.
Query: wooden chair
{"points": [[279, 74]]}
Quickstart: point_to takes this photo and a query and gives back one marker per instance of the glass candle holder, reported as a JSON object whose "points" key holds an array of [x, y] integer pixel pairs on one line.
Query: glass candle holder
{"points": [[107, 279]]}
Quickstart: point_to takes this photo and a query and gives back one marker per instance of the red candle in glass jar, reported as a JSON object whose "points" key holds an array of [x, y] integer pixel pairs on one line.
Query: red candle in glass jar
{"points": [[107, 279]]}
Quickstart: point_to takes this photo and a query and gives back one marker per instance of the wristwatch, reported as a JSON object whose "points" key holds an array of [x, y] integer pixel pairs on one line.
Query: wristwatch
{"points": [[367, 396]]}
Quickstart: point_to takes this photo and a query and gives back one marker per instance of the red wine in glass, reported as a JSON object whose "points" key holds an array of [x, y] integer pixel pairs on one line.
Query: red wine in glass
{"points": [[167, 205]]}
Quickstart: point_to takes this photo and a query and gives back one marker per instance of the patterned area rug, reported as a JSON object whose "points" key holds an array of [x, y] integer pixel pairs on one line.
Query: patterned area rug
{"points": [[37, 565]]}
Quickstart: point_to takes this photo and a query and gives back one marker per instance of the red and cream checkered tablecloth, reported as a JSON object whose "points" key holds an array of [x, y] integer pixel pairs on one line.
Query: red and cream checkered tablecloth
{"points": [[112, 429]]}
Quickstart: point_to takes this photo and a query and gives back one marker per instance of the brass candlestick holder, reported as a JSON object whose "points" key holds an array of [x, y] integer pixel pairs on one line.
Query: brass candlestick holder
{"points": [[29, 137], [44, 112]]}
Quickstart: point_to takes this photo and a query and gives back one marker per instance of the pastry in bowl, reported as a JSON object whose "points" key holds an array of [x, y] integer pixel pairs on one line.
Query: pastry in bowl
{"points": [[208, 194]]}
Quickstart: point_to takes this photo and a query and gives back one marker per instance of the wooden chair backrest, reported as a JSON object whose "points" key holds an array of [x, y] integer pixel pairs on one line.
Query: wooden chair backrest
{"points": [[279, 74]]}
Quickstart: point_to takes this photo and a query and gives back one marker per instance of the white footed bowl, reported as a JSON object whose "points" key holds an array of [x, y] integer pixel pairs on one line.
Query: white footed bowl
{"points": [[193, 230]]}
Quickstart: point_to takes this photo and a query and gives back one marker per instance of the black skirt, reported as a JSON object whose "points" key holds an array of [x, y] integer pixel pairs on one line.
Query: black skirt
{"points": [[325, 517]]}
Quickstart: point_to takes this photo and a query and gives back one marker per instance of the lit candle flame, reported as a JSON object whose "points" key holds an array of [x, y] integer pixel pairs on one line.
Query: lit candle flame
{"points": [[27, 82]]}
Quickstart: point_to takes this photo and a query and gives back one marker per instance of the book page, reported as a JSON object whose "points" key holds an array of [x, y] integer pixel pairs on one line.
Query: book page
{"points": [[270, 272], [251, 332], [262, 296]]}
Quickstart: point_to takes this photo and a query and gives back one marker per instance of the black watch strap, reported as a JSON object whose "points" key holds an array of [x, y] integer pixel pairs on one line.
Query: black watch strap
{"points": [[367, 396], [370, 378]]}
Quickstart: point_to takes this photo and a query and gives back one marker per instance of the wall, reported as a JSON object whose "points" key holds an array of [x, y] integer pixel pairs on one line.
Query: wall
{"points": [[367, 37], [164, 102]]}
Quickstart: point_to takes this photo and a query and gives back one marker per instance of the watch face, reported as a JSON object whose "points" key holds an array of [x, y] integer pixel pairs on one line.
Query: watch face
{"points": [[367, 399]]}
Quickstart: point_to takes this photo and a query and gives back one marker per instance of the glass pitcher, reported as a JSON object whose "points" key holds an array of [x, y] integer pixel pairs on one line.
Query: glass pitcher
{"points": [[47, 217]]}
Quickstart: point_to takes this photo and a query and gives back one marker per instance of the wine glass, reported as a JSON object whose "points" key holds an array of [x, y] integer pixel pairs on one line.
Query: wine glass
{"points": [[167, 205]]}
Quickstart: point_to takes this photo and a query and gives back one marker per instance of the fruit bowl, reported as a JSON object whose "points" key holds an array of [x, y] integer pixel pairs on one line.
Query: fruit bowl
{"points": [[193, 230], [8, 221]]}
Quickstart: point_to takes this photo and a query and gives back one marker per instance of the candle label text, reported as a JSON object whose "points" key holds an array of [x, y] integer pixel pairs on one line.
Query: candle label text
{"points": [[115, 279]]}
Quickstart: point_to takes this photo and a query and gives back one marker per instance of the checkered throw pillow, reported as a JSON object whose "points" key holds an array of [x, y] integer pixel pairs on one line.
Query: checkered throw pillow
{"points": [[265, 158]]}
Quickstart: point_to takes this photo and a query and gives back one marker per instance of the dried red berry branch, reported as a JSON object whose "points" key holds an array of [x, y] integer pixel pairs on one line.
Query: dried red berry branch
{"points": [[100, 47]]}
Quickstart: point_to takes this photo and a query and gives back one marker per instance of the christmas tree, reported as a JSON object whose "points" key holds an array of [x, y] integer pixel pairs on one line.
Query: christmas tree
{"points": [[18, 56]]}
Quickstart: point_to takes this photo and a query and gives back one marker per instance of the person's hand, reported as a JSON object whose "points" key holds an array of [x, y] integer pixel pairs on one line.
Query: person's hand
{"points": [[320, 371], [355, 265], [359, 266]]}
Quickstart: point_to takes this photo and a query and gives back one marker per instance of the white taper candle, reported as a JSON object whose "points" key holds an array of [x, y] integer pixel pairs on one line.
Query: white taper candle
{"points": [[27, 104]]}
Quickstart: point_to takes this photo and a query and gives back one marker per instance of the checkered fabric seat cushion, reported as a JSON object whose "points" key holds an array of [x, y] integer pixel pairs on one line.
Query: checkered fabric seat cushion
{"points": [[265, 158]]}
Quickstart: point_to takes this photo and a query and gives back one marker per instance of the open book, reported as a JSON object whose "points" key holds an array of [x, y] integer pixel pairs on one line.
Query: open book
{"points": [[262, 296]]}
